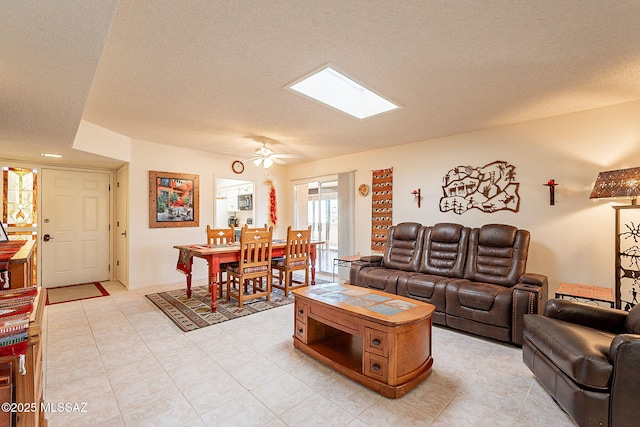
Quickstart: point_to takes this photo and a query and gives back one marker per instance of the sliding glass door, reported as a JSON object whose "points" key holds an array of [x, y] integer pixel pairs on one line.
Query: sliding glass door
{"points": [[317, 205], [327, 204]]}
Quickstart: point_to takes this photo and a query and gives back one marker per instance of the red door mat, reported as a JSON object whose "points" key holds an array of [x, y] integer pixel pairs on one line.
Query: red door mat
{"points": [[78, 292]]}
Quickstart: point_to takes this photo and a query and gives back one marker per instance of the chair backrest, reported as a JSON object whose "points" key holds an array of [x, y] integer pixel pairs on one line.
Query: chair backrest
{"points": [[445, 250], [255, 250], [497, 254], [403, 249], [298, 247], [256, 228], [220, 236], [632, 322]]}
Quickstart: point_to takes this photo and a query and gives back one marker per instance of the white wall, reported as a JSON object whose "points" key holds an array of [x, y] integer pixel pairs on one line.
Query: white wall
{"points": [[152, 258], [572, 241], [98, 140]]}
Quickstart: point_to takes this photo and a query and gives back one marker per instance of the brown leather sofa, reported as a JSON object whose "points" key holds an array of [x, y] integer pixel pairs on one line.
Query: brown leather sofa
{"points": [[588, 359], [475, 278]]}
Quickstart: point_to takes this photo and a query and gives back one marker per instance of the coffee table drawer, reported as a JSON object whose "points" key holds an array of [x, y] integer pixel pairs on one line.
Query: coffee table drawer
{"points": [[376, 342], [300, 331], [376, 366], [301, 311]]}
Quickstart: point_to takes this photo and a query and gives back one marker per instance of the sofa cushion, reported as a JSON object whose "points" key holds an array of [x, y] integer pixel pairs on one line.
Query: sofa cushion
{"points": [[479, 302], [497, 254], [424, 287], [580, 352], [403, 249], [382, 279], [445, 250]]}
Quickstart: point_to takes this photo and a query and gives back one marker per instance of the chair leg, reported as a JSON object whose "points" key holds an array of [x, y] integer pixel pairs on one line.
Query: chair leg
{"points": [[220, 282], [240, 292], [269, 279], [229, 287]]}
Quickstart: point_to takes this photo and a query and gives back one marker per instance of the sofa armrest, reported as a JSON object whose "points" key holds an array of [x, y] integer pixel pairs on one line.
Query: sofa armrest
{"points": [[372, 259], [528, 298], [356, 266], [624, 355], [534, 279], [591, 316]]}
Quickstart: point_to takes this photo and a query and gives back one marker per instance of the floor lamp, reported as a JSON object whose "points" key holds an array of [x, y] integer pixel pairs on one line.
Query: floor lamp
{"points": [[616, 184]]}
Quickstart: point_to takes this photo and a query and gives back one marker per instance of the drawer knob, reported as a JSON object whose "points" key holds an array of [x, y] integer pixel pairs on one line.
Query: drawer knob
{"points": [[375, 342], [300, 311], [300, 330], [375, 367]]}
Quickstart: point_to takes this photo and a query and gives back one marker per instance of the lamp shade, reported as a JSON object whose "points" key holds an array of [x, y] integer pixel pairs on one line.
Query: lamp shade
{"points": [[617, 183]]}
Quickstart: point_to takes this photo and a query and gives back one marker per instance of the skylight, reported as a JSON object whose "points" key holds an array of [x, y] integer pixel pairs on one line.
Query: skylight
{"points": [[336, 90]]}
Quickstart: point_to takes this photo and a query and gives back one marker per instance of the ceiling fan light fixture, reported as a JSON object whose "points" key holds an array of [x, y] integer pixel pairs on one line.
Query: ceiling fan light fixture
{"points": [[267, 163], [257, 161]]}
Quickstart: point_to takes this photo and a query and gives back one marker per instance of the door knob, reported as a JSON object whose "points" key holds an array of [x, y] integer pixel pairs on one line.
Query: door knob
{"points": [[46, 238]]}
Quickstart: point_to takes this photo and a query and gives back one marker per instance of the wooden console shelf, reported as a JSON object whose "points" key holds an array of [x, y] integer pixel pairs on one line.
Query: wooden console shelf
{"points": [[380, 340], [21, 266], [29, 387]]}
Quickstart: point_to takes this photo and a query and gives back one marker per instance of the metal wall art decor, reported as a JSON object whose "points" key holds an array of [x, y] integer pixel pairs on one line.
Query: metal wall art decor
{"points": [[628, 256], [489, 188], [174, 200]]}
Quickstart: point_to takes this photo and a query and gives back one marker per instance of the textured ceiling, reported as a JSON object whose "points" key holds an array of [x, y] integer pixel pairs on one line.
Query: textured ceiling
{"points": [[211, 75]]}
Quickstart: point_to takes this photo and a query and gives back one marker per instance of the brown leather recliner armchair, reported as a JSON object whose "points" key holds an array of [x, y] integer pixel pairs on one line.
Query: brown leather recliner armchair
{"points": [[588, 359]]}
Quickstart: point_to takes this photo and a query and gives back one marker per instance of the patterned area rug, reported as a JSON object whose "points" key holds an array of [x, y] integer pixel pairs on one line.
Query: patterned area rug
{"points": [[193, 313], [75, 292]]}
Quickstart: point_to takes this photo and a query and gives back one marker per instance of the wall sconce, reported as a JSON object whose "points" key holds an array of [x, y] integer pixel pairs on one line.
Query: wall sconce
{"points": [[416, 194], [552, 191]]}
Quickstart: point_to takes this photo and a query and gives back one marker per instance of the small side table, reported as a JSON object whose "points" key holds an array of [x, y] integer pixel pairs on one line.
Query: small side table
{"points": [[588, 292], [343, 261]]}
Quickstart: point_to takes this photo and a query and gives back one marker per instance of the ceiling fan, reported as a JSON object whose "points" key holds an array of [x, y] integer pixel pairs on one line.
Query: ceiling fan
{"points": [[266, 157]]}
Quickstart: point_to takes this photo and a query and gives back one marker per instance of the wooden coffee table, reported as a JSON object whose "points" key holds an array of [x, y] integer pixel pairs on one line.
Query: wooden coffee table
{"points": [[380, 340]]}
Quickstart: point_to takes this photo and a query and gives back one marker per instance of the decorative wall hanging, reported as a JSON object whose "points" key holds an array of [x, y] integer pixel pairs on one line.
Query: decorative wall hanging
{"points": [[174, 200], [273, 217], [381, 207], [627, 256], [489, 188]]}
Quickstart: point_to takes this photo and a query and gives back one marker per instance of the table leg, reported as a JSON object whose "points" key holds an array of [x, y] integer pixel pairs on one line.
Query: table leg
{"points": [[214, 270], [189, 277], [312, 253]]}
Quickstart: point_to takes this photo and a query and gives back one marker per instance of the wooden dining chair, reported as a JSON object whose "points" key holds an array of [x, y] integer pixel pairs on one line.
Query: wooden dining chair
{"points": [[220, 236], [255, 228], [296, 258], [254, 265]]}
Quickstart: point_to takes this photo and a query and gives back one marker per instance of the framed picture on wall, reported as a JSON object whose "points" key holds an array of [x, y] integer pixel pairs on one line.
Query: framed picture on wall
{"points": [[174, 200]]}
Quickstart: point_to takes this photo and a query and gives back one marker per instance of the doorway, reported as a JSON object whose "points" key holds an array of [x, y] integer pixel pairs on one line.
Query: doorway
{"points": [[75, 236], [317, 205], [235, 200]]}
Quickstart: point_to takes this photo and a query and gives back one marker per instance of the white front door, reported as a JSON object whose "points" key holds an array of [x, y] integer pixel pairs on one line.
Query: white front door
{"points": [[75, 227]]}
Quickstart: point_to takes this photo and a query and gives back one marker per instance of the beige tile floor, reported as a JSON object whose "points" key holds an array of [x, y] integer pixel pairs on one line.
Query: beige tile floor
{"points": [[133, 367]]}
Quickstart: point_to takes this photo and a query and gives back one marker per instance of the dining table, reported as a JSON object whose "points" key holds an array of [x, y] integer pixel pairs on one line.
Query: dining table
{"points": [[218, 254]]}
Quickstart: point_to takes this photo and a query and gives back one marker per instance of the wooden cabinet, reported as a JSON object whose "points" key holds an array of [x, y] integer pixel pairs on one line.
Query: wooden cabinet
{"points": [[29, 387]]}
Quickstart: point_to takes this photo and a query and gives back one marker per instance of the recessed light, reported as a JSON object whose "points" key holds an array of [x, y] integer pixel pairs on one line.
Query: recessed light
{"points": [[336, 90], [56, 156]]}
